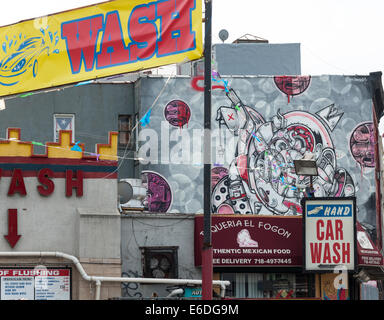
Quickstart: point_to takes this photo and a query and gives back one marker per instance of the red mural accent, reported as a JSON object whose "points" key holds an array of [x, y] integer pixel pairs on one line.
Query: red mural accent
{"points": [[177, 113], [292, 86], [362, 145], [195, 85]]}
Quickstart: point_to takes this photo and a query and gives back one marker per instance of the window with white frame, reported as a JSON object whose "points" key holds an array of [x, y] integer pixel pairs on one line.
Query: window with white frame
{"points": [[64, 121]]}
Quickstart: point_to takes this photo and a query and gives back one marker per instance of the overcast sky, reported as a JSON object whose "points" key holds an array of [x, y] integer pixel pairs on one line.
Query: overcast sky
{"points": [[336, 36]]}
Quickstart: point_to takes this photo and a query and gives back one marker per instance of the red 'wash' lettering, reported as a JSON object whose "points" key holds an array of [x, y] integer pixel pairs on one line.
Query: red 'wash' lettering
{"points": [[346, 252], [43, 177], [316, 252], [17, 183], [143, 31], [112, 47], [336, 248], [175, 27], [81, 37], [327, 253], [74, 183]]}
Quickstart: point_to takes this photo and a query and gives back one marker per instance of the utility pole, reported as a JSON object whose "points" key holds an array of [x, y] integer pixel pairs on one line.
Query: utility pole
{"points": [[207, 256]]}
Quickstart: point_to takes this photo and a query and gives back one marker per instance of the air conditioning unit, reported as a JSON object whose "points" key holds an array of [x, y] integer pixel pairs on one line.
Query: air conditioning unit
{"points": [[131, 193]]}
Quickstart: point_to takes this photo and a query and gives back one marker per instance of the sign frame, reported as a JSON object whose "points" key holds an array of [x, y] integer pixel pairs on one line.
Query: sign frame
{"points": [[272, 232], [331, 267]]}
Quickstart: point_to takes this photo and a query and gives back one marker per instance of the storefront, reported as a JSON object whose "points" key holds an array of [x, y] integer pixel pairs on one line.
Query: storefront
{"points": [[262, 257], [55, 206]]}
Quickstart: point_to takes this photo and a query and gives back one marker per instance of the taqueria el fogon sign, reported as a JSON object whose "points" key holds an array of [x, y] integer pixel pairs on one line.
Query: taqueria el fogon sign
{"points": [[109, 38], [329, 233]]}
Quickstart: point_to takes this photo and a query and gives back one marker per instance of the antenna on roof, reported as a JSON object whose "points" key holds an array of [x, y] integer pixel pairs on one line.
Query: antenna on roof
{"points": [[223, 35], [249, 38]]}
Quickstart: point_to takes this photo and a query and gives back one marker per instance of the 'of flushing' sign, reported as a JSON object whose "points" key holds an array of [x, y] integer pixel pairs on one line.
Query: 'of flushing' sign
{"points": [[329, 233]]}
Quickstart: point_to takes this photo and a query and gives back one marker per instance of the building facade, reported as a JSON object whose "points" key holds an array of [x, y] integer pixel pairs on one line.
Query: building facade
{"points": [[60, 221], [260, 124]]}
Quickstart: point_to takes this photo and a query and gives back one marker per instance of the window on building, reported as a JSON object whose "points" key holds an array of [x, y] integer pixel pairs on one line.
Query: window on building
{"points": [[269, 285], [63, 122], [125, 127], [160, 262]]}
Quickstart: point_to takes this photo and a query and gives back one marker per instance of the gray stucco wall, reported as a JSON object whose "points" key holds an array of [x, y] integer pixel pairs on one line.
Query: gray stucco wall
{"points": [[146, 230], [258, 58], [249, 59], [87, 226], [96, 108]]}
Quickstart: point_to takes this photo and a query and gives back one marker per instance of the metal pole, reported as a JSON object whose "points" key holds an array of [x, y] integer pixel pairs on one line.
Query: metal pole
{"points": [[207, 257], [311, 193]]}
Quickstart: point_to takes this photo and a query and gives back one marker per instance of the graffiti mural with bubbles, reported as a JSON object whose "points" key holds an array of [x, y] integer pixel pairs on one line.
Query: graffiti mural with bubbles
{"points": [[260, 125]]}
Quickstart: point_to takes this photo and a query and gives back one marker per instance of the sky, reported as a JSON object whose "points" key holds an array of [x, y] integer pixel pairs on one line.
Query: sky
{"points": [[336, 36]]}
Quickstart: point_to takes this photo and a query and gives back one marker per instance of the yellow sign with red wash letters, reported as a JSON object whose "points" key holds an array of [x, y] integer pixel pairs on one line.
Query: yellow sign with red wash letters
{"points": [[109, 38]]}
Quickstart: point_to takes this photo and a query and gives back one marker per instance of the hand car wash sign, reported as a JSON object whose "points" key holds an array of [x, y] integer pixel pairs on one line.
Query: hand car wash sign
{"points": [[329, 233]]}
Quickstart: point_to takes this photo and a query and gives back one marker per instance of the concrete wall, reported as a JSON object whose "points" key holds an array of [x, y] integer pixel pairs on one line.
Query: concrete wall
{"points": [[145, 230], [258, 58], [249, 59], [87, 227]]}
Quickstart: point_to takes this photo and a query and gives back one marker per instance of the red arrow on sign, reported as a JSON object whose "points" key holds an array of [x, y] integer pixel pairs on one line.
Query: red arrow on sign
{"points": [[12, 237]]}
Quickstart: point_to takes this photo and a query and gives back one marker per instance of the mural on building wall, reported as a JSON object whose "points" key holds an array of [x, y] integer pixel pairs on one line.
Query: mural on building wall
{"points": [[362, 145], [329, 116], [159, 195], [177, 113], [292, 86], [262, 173]]}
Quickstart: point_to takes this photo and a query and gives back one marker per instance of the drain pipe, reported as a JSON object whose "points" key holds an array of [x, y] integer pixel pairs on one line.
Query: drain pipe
{"points": [[99, 279], [98, 286], [175, 292]]}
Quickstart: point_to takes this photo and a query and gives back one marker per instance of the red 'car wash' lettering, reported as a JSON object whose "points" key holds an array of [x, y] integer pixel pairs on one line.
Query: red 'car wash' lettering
{"points": [[160, 28], [325, 252]]}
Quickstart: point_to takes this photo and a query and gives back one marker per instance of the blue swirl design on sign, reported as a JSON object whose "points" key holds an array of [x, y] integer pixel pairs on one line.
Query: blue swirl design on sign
{"points": [[21, 58]]}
